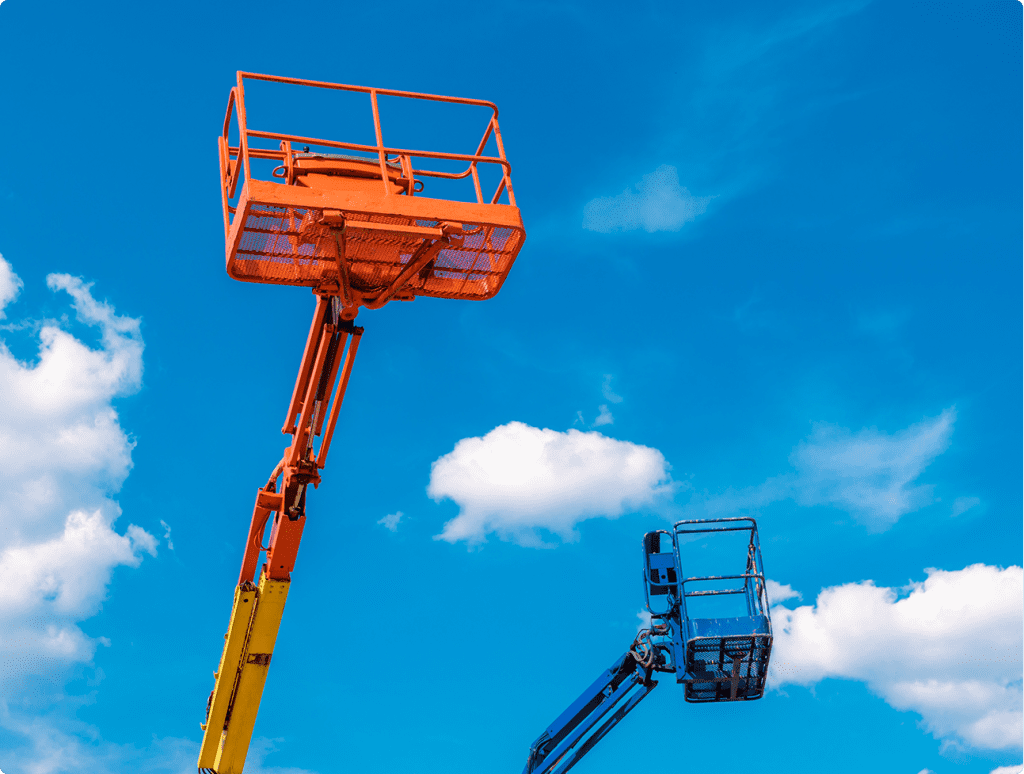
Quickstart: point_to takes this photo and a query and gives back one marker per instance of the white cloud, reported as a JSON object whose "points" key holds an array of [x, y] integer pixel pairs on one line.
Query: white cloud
{"points": [[260, 748], [46, 587], [964, 504], [63, 455], [52, 750], [606, 390], [869, 474], [659, 203], [518, 479], [167, 534], [778, 592], [604, 416], [391, 520], [1015, 769], [61, 445], [644, 616], [949, 650], [76, 747], [10, 284]]}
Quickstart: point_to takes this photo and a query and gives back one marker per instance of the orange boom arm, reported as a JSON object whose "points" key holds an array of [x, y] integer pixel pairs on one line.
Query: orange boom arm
{"points": [[355, 229]]}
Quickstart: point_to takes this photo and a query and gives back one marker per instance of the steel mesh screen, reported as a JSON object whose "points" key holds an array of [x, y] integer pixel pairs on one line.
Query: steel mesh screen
{"points": [[711, 660], [276, 247]]}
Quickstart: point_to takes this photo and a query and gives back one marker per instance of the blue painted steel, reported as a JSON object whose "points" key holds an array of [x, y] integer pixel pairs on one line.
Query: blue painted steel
{"points": [[597, 710], [723, 658]]}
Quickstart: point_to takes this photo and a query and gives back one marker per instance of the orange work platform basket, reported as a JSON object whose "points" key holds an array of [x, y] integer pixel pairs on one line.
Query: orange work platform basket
{"points": [[349, 219]]}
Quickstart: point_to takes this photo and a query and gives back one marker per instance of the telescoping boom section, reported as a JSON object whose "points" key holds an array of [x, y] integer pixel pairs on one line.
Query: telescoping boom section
{"points": [[712, 631], [351, 222], [260, 593], [597, 710]]}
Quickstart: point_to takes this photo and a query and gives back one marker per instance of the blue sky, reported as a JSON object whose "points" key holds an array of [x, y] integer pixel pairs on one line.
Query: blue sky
{"points": [[772, 269]]}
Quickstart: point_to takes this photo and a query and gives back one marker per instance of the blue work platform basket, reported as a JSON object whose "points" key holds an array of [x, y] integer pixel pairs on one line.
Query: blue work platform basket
{"points": [[715, 624]]}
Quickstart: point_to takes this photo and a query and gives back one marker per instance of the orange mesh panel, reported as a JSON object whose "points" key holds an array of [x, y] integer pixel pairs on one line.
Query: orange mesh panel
{"points": [[275, 247]]}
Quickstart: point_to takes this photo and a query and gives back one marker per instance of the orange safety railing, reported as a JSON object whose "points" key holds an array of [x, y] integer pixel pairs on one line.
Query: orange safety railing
{"points": [[231, 171], [355, 224]]}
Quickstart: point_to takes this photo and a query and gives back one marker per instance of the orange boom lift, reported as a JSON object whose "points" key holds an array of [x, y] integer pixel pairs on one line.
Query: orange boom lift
{"points": [[347, 220]]}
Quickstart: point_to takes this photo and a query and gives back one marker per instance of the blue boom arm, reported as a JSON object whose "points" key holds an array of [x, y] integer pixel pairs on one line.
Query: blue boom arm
{"points": [[720, 657], [592, 715]]}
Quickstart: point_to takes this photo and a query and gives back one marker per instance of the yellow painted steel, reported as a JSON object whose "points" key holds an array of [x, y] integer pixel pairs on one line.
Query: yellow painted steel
{"points": [[251, 675], [234, 646]]}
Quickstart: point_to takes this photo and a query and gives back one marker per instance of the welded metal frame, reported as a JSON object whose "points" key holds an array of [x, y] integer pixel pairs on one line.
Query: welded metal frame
{"points": [[753, 587], [235, 166], [361, 220], [748, 651], [664, 647], [319, 220]]}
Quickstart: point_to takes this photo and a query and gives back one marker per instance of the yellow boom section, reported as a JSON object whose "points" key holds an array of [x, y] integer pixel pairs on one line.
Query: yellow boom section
{"points": [[248, 646]]}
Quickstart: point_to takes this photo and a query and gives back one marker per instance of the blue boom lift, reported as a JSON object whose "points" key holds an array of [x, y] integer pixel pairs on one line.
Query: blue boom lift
{"points": [[722, 658]]}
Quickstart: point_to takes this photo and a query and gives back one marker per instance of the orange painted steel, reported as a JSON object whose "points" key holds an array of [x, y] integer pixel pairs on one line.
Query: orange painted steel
{"points": [[360, 226], [358, 231]]}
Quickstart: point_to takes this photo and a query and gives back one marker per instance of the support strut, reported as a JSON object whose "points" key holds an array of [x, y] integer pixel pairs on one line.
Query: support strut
{"points": [[326, 366]]}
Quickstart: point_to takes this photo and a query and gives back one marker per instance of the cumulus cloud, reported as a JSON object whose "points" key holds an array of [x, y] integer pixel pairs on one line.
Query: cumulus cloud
{"points": [[948, 648], [870, 474], [519, 479], [390, 521], [63, 455], [57, 582], [658, 203], [61, 445], [778, 592], [1016, 769], [10, 285]]}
